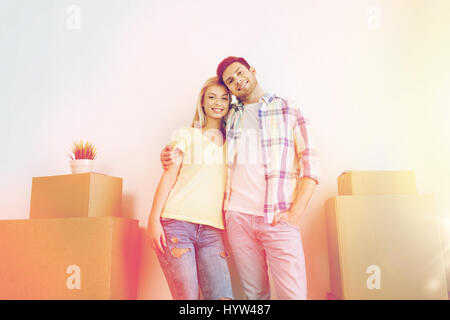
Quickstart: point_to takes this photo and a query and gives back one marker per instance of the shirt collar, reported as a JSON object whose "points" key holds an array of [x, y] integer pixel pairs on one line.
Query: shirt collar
{"points": [[266, 98]]}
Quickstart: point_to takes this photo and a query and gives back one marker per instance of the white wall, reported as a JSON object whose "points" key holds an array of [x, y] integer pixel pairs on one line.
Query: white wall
{"points": [[372, 76]]}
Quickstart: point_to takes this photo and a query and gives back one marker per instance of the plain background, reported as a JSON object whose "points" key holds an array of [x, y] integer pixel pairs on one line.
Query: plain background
{"points": [[372, 76]]}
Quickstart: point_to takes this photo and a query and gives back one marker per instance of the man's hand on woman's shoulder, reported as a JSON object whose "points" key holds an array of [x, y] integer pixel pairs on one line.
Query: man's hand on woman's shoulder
{"points": [[169, 156]]}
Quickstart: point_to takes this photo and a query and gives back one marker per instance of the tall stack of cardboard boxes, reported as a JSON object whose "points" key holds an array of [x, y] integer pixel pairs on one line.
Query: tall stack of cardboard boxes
{"points": [[384, 239], [75, 245]]}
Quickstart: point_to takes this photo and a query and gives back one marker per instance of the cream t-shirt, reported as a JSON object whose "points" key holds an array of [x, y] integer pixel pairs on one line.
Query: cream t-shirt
{"points": [[198, 193]]}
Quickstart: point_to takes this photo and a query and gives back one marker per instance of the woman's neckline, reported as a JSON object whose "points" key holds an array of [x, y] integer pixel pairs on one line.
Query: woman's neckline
{"points": [[209, 140]]}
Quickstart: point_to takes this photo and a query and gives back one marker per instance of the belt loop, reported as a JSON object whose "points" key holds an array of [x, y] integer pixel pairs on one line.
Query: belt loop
{"points": [[197, 235]]}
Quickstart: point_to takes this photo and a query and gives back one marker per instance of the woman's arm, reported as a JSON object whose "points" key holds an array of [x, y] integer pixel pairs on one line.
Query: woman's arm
{"points": [[166, 183]]}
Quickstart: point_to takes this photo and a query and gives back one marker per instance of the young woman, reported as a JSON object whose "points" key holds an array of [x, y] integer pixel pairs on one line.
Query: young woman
{"points": [[185, 222]]}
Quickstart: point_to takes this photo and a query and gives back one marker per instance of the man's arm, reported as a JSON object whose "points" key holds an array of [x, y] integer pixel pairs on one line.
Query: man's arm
{"points": [[304, 194], [305, 191], [309, 161]]}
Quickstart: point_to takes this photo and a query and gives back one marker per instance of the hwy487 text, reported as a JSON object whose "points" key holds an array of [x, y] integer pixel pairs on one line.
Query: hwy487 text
{"points": [[231, 309]]}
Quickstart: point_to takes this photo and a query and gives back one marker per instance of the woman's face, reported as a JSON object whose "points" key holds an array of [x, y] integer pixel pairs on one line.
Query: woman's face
{"points": [[216, 102]]}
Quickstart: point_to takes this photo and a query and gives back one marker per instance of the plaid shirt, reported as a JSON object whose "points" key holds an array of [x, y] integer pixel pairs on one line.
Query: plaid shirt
{"points": [[286, 147]]}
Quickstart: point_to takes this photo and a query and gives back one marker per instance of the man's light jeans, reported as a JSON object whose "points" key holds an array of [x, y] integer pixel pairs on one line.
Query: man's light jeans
{"points": [[254, 244]]}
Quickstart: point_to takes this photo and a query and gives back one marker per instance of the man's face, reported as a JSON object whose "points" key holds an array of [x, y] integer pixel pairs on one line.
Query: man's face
{"points": [[239, 80]]}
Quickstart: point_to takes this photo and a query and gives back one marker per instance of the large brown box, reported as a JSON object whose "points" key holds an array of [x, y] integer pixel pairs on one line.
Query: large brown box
{"points": [[377, 182], [72, 258], [76, 195], [385, 247]]}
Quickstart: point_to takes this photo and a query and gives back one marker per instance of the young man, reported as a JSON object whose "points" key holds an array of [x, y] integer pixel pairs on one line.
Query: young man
{"points": [[272, 173]]}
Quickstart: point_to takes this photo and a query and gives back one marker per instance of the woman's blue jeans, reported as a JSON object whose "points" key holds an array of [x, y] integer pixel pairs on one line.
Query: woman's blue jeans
{"points": [[194, 259]]}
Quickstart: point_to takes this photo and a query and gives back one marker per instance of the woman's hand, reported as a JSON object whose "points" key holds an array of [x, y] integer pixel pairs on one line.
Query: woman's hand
{"points": [[157, 236]]}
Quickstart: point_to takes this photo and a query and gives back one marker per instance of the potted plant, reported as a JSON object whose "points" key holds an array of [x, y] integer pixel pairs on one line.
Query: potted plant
{"points": [[83, 158]]}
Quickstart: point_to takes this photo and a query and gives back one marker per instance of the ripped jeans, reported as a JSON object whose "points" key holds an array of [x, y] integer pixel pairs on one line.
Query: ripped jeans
{"points": [[194, 259]]}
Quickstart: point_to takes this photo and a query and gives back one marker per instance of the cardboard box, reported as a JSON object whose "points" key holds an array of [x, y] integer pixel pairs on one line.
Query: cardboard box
{"points": [[76, 195], [445, 232], [385, 247], [377, 182], [73, 258]]}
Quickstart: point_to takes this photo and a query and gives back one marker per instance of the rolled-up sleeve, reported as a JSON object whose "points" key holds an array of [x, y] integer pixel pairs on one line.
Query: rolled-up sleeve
{"points": [[304, 146], [181, 138]]}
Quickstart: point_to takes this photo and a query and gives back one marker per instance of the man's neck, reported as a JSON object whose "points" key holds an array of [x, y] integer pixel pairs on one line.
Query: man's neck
{"points": [[254, 96]]}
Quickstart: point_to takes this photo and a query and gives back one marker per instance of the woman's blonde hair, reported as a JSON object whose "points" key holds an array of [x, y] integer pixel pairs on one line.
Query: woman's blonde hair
{"points": [[200, 116]]}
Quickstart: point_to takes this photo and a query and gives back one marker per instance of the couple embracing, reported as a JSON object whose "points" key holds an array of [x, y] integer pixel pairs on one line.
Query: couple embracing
{"points": [[247, 168]]}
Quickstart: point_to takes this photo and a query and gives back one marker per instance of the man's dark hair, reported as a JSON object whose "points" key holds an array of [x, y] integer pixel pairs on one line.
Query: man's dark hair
{"points": [[226, 62]]}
